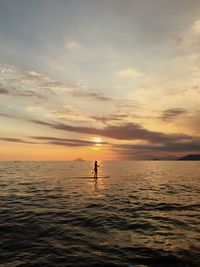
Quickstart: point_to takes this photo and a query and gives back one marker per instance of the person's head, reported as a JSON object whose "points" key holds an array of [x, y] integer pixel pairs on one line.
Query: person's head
{"points": [[95, 162]]}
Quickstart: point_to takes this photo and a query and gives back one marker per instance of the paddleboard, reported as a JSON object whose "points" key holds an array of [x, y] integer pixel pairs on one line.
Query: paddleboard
{"points": [[91, 177]]}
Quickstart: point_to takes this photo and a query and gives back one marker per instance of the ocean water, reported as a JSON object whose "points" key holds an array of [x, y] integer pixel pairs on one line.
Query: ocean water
{"points": [[145, 214]]}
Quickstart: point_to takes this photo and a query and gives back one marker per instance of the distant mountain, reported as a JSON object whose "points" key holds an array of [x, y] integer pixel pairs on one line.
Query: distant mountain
{"points": [[79, 159], [191, 157], [163, 159]]}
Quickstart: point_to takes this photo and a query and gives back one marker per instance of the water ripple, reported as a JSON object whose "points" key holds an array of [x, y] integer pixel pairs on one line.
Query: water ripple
{"points": [[146, 214]]}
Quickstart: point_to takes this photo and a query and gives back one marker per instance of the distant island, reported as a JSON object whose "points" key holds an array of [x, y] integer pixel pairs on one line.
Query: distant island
{"points": [[190, 157], [79, 159]]}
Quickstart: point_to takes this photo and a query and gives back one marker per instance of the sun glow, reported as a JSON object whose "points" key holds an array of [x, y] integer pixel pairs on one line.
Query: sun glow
{"points": [[97, 143], [97, 139]]}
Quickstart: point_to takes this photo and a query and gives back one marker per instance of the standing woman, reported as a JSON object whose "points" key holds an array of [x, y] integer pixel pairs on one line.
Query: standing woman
{"points": [[96, 166]]}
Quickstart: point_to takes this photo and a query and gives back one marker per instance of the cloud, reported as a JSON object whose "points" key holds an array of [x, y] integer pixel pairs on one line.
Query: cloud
{"points": [[15, 140], [65, 141], [191, 121], [190, 39], [91, 95], [163, 151], [9, 116], [185, 41], [4, 91], [129, 73], [56, 86], [34, 76], [170, 147], [28, 93], [127, 104], [18, 83], [73, 45], [33, 109], [153, 144], [71, 114], [47, 140], [110, 118], [21, 93], [130, 131], [196, 27], [75, 90], [170, 114], [5, 68]]}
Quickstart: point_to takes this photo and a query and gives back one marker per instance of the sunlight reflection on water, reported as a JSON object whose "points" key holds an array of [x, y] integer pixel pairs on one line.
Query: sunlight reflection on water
{"points": [[146, 213]]}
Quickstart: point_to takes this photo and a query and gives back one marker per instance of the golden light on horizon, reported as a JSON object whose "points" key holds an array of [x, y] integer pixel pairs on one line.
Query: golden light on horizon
{"points": [[97, 139], [97, 143]]}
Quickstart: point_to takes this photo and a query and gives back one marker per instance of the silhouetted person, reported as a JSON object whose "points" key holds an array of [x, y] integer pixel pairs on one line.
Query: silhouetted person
{"points": [[96, 166]]}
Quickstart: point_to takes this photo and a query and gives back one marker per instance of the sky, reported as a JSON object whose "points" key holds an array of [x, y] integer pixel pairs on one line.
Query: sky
{"points": [[99, 79]]}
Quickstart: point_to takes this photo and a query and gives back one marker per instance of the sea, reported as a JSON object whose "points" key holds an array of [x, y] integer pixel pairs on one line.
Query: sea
{"points": [[147, 213]]}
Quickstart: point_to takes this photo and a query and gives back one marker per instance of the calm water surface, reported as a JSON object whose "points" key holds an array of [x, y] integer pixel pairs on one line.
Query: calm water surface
{"points": [[145, 214]]}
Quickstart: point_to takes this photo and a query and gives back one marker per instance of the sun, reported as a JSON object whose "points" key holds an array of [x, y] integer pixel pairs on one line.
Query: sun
{"points": [[97, 143], [97, 139]]}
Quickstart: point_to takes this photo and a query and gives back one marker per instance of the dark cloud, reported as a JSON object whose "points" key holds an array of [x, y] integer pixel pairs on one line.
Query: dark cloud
{"points": [[15, 140], [52, 141], [110, 118], [9, 116], [150, 151], [193, 145], [4, 91], [130, 131], [65, 141], [170, 114], [68, 144], [21, 93], [40, 122], [92, 95], [28, 93], [173, 92], [156, 143]]}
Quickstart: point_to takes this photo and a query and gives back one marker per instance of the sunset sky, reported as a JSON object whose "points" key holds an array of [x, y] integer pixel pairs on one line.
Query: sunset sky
{"points": [[99, 79]]}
